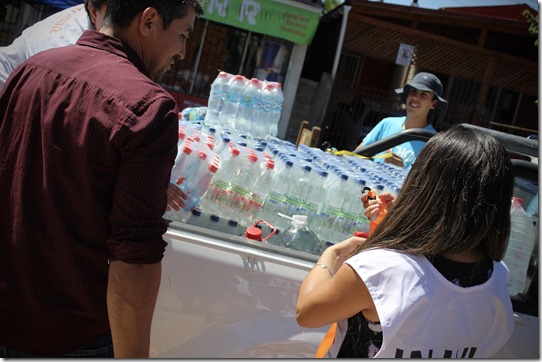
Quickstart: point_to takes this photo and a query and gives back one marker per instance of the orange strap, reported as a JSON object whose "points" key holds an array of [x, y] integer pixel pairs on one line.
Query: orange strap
{"points": [[326, 343]]}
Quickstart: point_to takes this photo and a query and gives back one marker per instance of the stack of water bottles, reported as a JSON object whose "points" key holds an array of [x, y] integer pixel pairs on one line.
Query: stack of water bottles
{"points": [[245, 106], [238, 190], [260, 179], [194, 168], [326, 188]]}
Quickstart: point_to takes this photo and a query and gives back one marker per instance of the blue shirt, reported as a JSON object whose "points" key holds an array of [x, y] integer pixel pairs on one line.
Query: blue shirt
{"points": [[408, 151]]}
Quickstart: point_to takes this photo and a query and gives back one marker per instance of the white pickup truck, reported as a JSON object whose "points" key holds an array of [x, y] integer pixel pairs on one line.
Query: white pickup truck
{"points": [[225, 296]]}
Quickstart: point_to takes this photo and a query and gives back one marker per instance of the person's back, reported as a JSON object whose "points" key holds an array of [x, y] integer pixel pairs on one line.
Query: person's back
{"points": [[429, 281], [88, 141], [87, 127], [415, 301]]}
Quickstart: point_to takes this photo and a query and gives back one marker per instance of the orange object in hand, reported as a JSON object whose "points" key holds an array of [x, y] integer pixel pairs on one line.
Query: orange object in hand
{"points": [[371, 195]]}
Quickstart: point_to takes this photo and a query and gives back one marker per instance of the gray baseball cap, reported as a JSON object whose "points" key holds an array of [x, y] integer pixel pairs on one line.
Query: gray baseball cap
{"points": [[425, 82]]}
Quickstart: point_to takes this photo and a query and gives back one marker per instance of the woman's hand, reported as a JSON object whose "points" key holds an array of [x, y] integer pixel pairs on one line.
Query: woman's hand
{"points": [[372, 207], [344, 249], [175, 198]]}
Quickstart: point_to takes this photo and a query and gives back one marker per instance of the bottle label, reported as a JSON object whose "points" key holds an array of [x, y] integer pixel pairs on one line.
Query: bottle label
{"points": [[238, 198]]}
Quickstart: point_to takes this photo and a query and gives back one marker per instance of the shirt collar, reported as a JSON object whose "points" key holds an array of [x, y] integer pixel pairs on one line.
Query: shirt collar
{"points": [[95, 39]]}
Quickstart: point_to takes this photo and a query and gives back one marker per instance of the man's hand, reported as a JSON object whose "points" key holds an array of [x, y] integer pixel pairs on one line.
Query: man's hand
{"points": [[175, 198]]}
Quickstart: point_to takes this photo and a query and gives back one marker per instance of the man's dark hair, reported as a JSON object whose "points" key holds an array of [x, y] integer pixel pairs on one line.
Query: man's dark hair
{"points": [[96, 4], [121, 13]]}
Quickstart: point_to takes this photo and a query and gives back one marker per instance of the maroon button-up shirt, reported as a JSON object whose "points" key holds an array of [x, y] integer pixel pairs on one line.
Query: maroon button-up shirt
{"points": [[87, 143]]}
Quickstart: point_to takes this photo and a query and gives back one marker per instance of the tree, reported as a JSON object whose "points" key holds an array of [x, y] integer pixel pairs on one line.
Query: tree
{"points": [[533, 24]]}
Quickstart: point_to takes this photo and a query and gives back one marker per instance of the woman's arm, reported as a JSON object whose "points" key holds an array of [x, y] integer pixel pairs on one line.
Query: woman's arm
{"points": [[332, 290]]}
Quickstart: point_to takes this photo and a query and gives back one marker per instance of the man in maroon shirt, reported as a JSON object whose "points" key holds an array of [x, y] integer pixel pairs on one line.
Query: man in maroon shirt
{"points": [[87, 142]]}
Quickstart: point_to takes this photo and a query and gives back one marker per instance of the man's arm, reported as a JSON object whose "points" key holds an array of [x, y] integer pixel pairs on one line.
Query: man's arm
{"points": [[131, 298]]}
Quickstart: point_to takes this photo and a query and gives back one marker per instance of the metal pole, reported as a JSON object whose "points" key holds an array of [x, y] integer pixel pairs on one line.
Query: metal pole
{"points": [[346, 10], [194, 72], [245, 49]]}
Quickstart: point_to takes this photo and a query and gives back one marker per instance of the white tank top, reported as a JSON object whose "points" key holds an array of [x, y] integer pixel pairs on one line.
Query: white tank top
{"points": [[423, 315]]}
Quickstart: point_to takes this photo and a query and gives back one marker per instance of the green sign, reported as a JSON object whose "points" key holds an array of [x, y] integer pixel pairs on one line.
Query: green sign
{"points": [[276, 18]]}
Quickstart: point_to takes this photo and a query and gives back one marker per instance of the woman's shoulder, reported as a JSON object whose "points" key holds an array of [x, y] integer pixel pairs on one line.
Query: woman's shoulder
{"points": [[386, 260]]}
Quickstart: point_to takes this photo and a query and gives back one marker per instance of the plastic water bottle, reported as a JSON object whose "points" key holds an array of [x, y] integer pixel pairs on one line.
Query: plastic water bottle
{"points": [[259, 127], [218, 197], [332, 209], [185, 156], [520, 246], [316, 197], [274, 200], [296, 195], [261, 186], [202, 180], [184, 173], [241, 189], [216, 99], [228, 113], [278, 99], [349, 219], [247, 116], [193, 173], [298, 236], [267, 98], [222, 142]]}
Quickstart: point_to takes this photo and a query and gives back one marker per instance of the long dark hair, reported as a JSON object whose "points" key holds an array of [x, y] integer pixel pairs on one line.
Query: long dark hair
{"points": [[121, 13], [455, 198]]}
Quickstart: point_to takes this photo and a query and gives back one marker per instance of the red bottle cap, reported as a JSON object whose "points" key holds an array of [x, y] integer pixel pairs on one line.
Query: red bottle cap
{"points": [[253, 233]]}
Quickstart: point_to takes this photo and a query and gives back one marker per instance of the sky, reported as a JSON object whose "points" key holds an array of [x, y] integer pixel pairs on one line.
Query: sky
{"points": [[436, 4]]}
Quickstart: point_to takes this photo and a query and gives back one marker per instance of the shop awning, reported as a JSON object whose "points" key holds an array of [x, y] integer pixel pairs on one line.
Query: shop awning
{"points": [[286, 19]]}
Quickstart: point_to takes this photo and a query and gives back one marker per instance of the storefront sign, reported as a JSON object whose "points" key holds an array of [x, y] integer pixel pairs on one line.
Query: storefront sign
{"points": [[275, 18], [405, 54]]}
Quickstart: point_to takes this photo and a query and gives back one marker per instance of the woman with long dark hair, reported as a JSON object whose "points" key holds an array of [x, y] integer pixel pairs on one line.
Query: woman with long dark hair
{"points": [[429, 281]]}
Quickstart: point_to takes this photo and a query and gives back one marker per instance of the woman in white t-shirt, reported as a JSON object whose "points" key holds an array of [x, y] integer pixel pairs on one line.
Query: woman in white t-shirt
{"points": [[429, 281]]}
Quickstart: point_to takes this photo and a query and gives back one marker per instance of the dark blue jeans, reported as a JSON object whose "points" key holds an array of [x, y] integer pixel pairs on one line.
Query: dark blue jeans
{"points": [[100, 348]]}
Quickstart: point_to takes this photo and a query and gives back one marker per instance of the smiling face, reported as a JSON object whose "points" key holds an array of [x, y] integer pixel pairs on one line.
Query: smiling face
{"points": [[163, 46], [420, 102]]}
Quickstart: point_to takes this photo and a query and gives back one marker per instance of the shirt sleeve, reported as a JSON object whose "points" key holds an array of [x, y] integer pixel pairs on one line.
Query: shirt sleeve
{"points": [[148, 153]]}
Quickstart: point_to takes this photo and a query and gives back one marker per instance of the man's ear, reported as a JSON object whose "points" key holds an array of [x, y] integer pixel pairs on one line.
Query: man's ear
{"points": [[148, 21], [93, 14]]}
